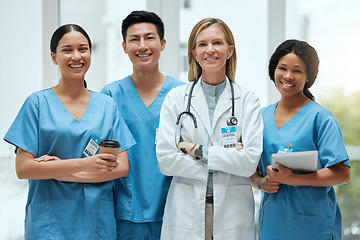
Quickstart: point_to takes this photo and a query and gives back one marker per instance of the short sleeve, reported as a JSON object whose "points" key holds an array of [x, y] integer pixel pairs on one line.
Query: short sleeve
{"points": [[330, 142], [24, 131]]}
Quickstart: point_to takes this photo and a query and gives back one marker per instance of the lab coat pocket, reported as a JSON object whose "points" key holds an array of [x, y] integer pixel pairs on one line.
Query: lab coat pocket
{"points": [[239, 203], [37, 221], [312, 227], [181, 209], [106, 228]]}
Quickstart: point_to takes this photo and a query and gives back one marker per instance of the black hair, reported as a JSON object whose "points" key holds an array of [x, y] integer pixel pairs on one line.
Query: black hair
{"points": [[64, 29], [304, 51], [141, 17], [61, 31]]}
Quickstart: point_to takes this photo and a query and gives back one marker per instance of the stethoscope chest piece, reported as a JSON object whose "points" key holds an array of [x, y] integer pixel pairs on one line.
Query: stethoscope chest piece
{"points": [[232, 121]]}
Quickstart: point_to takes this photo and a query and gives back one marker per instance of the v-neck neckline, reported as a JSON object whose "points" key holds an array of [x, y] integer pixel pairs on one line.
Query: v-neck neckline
{"points": [[138, 95], [291, 119], [69, 115]]}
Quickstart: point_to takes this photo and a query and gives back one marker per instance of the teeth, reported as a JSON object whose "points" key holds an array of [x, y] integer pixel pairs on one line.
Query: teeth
{"points": [[288, 85], [210, 59], [143, 56], [75, 66]]}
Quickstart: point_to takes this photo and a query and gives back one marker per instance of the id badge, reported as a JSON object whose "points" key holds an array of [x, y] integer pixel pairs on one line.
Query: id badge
{"points": [[92, 146], [229, 137], [287, 149]]}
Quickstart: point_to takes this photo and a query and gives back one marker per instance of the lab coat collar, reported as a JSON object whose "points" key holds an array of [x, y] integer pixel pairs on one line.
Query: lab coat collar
{"points": [[200, 106]]}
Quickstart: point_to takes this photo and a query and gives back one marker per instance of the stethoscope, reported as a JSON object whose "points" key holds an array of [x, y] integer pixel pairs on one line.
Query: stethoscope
{"points": [[231, 121]]}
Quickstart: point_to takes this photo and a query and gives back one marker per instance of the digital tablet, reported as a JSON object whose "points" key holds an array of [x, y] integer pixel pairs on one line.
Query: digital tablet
{"points": [[299, 162]]}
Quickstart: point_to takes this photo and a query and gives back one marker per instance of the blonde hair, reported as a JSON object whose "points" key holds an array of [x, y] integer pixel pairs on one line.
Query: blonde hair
{"points": [[195, 70]]}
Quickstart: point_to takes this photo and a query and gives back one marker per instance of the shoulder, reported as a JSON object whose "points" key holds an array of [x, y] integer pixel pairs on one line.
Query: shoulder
{"points": [[173, 82], [102, 98], [245, 94], [37, 97], [114, 86]]}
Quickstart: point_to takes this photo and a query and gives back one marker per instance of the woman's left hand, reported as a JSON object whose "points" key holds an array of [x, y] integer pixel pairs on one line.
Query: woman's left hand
{"points": [[46, 158], [283, 175]]}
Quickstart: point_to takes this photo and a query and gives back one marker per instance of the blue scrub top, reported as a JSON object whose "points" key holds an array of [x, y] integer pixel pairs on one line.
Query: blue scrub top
{"points": [[140, 197], [63, 210], [303, 212]]}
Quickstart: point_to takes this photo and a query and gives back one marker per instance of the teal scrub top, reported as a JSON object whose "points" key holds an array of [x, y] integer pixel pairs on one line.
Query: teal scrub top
{"points": [[303, 212], [140, 197], [67, 210]]}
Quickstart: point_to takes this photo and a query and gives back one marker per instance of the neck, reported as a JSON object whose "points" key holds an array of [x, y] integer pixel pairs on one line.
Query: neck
{"points": [[147, 79], [213, 78], [294, 101], [73, 89]]}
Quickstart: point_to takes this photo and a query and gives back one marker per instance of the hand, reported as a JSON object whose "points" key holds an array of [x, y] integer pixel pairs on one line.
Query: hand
{"points": [[100, 162], [240, 146], [268, 186], [46, 158], [190, 148], [282, 175]]}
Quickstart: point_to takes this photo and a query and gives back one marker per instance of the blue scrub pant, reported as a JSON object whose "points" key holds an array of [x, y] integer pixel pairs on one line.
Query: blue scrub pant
{"points": [[127, 230]]}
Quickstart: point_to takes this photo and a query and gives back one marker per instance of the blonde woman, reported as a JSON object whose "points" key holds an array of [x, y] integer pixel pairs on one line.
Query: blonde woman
{"points": [[201, 126]]}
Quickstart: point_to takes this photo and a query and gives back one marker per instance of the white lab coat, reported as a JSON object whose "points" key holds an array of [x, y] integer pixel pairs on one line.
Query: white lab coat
{"points": [[184, 216]]}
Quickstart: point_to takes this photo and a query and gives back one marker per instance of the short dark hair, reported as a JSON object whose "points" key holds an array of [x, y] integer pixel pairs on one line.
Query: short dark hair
{"points": [[64, 29], [141, 17], [304, 51]]}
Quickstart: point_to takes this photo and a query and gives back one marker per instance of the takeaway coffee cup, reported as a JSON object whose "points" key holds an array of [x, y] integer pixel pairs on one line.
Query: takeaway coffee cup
{"points": [[109, 146]]}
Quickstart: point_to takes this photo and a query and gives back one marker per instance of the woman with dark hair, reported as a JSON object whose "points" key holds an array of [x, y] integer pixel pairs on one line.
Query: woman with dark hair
{"points": [[299, 206], [56, 134]]}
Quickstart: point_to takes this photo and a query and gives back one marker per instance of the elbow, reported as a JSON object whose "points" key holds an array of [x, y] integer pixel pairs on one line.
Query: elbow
{"points": [[347, 176], [21, 173]]}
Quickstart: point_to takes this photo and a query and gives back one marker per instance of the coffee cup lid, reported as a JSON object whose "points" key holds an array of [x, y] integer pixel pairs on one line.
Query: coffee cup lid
{"points": [[109, 143]]}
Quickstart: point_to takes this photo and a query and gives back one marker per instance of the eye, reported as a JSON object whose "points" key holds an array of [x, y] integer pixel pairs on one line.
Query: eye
{"points": [[202, 44], [66, 50], [282, 68], [133, 39], [84, 49], [297, 71], [217, 43]]}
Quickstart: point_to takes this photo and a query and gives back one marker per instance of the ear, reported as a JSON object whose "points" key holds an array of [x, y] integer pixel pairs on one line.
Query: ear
{"points": [[231, 50], [163, 43], [124, 47], [53, 58], [194, 54]]}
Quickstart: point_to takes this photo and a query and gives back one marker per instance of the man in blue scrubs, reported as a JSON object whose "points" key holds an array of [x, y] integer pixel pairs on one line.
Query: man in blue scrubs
{"points": [[140, 197]]}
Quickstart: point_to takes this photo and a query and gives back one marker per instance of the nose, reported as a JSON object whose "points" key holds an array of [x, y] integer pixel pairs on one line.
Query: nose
{"points": [[288, 75], [76, 55], [142, 44], [210, 48]]}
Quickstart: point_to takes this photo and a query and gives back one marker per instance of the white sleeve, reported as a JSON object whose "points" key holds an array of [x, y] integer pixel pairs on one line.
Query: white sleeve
{"points": [[171, 162], [243, 162]]}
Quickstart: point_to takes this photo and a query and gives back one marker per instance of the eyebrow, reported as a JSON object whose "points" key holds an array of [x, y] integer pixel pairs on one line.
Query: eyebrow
{"points": [[136, 35], [215, 39], [81, 45], [283, 64]]}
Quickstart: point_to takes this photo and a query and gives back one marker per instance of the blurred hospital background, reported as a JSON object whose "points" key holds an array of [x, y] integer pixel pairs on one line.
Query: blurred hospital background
{"points": [[331, 26]]}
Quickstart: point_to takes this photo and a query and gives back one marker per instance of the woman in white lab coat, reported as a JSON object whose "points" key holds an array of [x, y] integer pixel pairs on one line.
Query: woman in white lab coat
{"points": [[210, 195]]}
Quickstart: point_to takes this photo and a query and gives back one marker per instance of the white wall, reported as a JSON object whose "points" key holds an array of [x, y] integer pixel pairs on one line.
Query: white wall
{"points": [[248, 23], [20, 59]]}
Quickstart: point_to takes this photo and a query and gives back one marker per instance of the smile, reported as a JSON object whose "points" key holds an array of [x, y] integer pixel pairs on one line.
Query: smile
{"points": [[287, 85], [76, 66], [210, 59], [143, 56]]}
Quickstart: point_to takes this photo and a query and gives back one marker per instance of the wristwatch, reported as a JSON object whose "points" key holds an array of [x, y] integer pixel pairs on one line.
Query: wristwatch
{"points": [[198, 152]]}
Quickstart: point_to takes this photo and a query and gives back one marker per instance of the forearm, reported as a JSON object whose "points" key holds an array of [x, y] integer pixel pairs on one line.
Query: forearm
{"points": [[93, 177], [28, 168], [329, 176]]}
